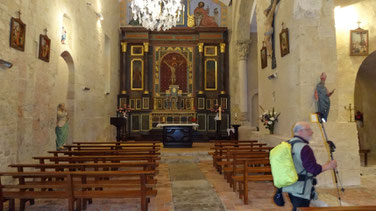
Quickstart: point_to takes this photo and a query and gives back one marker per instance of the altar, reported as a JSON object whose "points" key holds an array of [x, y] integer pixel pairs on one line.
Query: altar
{"points": [[178, 135]]}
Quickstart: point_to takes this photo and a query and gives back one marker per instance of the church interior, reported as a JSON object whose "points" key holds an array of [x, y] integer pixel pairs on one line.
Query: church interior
{"points": [[103, 73]]}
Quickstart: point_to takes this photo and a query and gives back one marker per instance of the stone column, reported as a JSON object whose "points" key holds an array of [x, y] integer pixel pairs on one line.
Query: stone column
{"points": [[146, 68], [200, 68], [243, 49], [124, 87]]}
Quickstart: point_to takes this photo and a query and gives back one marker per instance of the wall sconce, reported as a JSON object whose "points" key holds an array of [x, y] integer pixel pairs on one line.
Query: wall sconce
{"points": [[5, 64], [86, 88], [272, 76], [106, 93]]}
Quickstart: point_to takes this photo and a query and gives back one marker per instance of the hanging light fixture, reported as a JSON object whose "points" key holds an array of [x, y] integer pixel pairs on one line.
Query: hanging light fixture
{"points": [[157, 14]]}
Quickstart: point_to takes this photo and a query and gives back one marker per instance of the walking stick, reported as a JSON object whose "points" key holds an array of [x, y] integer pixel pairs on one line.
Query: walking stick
{"points": [[330, 145]]}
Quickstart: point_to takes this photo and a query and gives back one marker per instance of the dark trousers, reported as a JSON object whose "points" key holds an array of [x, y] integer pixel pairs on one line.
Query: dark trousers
{"points": [[298, 202]]}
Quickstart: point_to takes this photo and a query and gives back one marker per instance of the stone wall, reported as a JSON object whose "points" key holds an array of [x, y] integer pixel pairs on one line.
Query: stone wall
{"points": [[346, 16], [31, 90]]}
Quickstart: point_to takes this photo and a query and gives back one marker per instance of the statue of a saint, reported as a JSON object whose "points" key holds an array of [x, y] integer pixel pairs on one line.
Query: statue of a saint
{"points": [[322, 97], [269, 30], [172, 69], [61, 129]]}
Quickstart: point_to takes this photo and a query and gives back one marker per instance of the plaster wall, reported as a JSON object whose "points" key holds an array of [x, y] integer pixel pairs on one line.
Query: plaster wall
{"points": [[31, 90]]}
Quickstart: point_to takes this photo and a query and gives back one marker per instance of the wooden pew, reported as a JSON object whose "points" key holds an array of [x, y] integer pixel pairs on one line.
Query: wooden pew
{"points": [[352, 208], [109, 146], [221, 154], [76, 191], [254, 170], [133, 151]]}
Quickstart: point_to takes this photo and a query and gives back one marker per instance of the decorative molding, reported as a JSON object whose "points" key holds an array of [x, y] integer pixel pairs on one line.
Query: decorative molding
{"points": [[243, 49], [123, 47], [200, 47], [146, 47], [223, 47]]}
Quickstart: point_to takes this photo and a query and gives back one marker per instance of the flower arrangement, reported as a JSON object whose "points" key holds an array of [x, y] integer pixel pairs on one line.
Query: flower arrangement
{"points": [[269, 118], [122, 111]]}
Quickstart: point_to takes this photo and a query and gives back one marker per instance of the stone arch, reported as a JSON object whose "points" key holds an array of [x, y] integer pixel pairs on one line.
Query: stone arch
{"points": [[365, 101], [69, 91]]}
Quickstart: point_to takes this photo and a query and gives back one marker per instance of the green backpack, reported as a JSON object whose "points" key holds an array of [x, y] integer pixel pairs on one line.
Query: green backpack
{"points": [[282, 164]]}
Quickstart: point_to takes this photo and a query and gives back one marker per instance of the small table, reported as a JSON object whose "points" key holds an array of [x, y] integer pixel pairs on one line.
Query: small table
{"points": [[178, 135]]}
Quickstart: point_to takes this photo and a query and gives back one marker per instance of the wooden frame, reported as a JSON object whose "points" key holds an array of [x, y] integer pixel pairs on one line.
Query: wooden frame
{"points": [[137, 65], [284, 42], [201, 103], [132, 103], [209, 73], [138, 104], [358, 42], [224, 102], [210, 51], [264, 57], [17, 34], [44, 48], [137, 50], [145, 103]]}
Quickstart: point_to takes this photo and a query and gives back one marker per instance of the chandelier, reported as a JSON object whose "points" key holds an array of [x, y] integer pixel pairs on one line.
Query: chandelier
{"points": [[157, 14]]}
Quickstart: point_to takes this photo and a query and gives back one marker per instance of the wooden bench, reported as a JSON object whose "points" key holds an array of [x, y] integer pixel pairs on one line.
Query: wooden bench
{"points": [[365, 152], [221, 154], [110, 146], [352, 208], [133, 151], [253, 170], [69, 188]]}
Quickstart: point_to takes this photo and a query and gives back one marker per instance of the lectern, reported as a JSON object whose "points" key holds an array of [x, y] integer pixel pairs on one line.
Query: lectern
{"points": [[121, 128]]}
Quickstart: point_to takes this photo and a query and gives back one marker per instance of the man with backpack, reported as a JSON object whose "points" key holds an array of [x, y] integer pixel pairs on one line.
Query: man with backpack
{"points": [[302, 192]]}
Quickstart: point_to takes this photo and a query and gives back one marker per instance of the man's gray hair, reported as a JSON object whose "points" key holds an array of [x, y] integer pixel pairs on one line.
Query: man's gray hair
{"points": [[298, 126]]}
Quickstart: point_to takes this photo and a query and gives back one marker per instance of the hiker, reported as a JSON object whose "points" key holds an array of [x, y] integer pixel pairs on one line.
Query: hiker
{"points": [[302, 192]]}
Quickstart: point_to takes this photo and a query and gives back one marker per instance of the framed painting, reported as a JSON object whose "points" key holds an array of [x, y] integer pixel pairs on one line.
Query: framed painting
{"points": [[211, 74], [284, 42], [358, 42], [138, 104], [201, 103], [17, 34], [137, 50], [137, 74], [44, 48], [210, 50], [132, 103], [264, 57]]}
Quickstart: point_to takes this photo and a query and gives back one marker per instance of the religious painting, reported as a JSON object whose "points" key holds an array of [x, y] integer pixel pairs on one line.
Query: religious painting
{"points": [[137, 74], [358, 42], [132, 103], [44, 48], [17, 34], [206, 13], [264, 57], [224, 103], [210, 50], [181, 17], [131, 19], [173, 71], [210, 74], [137, 50], [284, 42]]}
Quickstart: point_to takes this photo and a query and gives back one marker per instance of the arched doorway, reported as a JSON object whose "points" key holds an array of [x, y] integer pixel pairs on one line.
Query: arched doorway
{"points": [[365, 102], [65, 91]]}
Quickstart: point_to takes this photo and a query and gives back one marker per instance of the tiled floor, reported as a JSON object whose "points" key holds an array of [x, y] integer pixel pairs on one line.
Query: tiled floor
{"points": [[260, 195]]}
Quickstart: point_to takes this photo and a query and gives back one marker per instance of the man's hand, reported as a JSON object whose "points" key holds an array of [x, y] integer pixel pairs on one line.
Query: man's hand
{"points": [[329, 165]]}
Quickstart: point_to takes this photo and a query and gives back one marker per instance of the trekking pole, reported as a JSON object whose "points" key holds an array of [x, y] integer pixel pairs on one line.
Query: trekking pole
{"points": [[332, 148]]}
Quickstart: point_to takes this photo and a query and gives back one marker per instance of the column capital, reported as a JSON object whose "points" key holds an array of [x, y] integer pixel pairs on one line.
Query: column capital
{"points": [[243, 49], [200, 47], [223, 47], [146, 47], [123, 47]]}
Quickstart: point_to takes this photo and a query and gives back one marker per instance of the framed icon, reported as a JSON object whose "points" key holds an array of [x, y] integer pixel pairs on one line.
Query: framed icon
{"points": [[284, 42], [44, 48], [358, 42], [17, 34], [137, 74]]}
